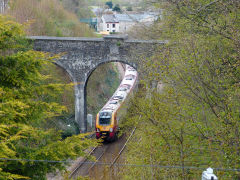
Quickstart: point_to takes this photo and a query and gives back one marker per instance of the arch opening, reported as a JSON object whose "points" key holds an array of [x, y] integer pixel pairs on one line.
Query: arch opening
{"points": [[66, 121], [111, 80]]}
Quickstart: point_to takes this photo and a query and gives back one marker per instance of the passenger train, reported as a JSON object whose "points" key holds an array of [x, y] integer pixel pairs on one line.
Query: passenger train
{"points": [[108, 117]]}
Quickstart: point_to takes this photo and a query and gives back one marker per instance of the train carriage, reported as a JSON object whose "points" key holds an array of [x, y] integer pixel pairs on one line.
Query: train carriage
{"points": [[107, 118]]}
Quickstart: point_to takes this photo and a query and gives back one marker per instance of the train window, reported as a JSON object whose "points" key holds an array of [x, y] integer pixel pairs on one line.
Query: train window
{"points": [[113, 102], [105, 118], [126, 85], [104, 121], [119, 97], [128, 78], [123, 89]]}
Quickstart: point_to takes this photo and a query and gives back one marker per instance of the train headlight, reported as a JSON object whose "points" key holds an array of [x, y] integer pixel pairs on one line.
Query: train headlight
{"points": [[111, 129]]}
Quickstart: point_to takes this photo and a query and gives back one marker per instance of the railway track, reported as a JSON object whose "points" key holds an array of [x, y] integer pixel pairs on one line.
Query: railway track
{"points": [[124, 146], [75, 171], [111, 171], [85, 166], [103, 154]]}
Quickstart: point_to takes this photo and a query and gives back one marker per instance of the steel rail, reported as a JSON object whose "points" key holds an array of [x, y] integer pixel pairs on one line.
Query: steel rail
{"points": [[81, 163], [74, 172], [84, 160], [99, 157], [120, 152], [95, 162], [124, 146]]}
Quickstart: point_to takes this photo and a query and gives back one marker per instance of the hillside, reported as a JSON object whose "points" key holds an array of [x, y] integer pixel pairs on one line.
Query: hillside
{"points": [[48, 18]]}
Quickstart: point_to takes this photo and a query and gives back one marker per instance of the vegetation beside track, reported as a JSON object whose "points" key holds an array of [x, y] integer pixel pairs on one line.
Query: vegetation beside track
{"points": [[27, 99], [193, 122], [36, 99]]}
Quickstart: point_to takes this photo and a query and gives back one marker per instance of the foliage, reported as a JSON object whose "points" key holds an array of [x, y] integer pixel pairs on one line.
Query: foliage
{"points": [[51, 19], [64, 122], [48, 18], [117, 8], [109, 4], [25, 102], [194, 119], [79, 7]]}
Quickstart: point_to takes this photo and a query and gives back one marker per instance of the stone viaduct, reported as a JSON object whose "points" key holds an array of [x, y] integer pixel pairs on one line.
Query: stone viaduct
{"points": [[81, 56]]}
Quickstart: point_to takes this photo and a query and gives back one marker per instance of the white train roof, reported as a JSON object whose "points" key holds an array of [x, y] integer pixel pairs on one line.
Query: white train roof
{"points": [[129, 81]]}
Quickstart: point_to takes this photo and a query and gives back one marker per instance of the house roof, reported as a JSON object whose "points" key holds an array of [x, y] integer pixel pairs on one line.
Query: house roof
{"points": [[115, 18], [125, 17], [110, 18]]}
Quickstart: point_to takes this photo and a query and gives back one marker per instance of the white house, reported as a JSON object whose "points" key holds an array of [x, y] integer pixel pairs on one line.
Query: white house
{"points": [[109, 23], [123, 22], [126, 22]]}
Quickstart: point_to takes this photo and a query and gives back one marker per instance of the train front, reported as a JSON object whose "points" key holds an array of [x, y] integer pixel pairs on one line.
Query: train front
{"points": [[105, 125]]}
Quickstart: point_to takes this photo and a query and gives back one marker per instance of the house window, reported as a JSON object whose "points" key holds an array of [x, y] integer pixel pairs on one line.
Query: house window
{"points": [[113, 25], [107, 25], [113, 30]]}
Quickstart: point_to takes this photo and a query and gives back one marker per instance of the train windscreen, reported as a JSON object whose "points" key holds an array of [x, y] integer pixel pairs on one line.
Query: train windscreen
{"points": [[105, 118]]}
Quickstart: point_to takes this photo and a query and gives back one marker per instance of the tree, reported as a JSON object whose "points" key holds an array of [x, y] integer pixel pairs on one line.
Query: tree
{"points": [[194, 120], [117, 8], [25, 102], [52, 18], [109, 4]]}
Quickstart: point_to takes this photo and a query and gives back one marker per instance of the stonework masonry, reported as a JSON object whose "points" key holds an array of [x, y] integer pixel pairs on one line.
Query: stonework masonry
{"points": [[81, 56]]}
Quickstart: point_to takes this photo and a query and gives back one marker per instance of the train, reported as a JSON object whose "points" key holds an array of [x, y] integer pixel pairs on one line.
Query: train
{"points": [[108, 118]]}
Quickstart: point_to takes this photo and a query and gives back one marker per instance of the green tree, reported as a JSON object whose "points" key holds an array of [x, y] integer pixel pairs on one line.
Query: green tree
{"points": [[194, 119], [24, 104], [117, 8], [109, 4]]}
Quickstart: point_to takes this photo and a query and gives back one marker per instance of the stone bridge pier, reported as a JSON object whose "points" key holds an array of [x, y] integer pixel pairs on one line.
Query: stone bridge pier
{"points": [[81, 56]]}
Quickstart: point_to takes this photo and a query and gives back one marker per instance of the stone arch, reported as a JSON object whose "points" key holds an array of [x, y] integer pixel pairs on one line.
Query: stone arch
{"points": [[77, 92], [69, 73], [88, 74], [82, 55]]}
